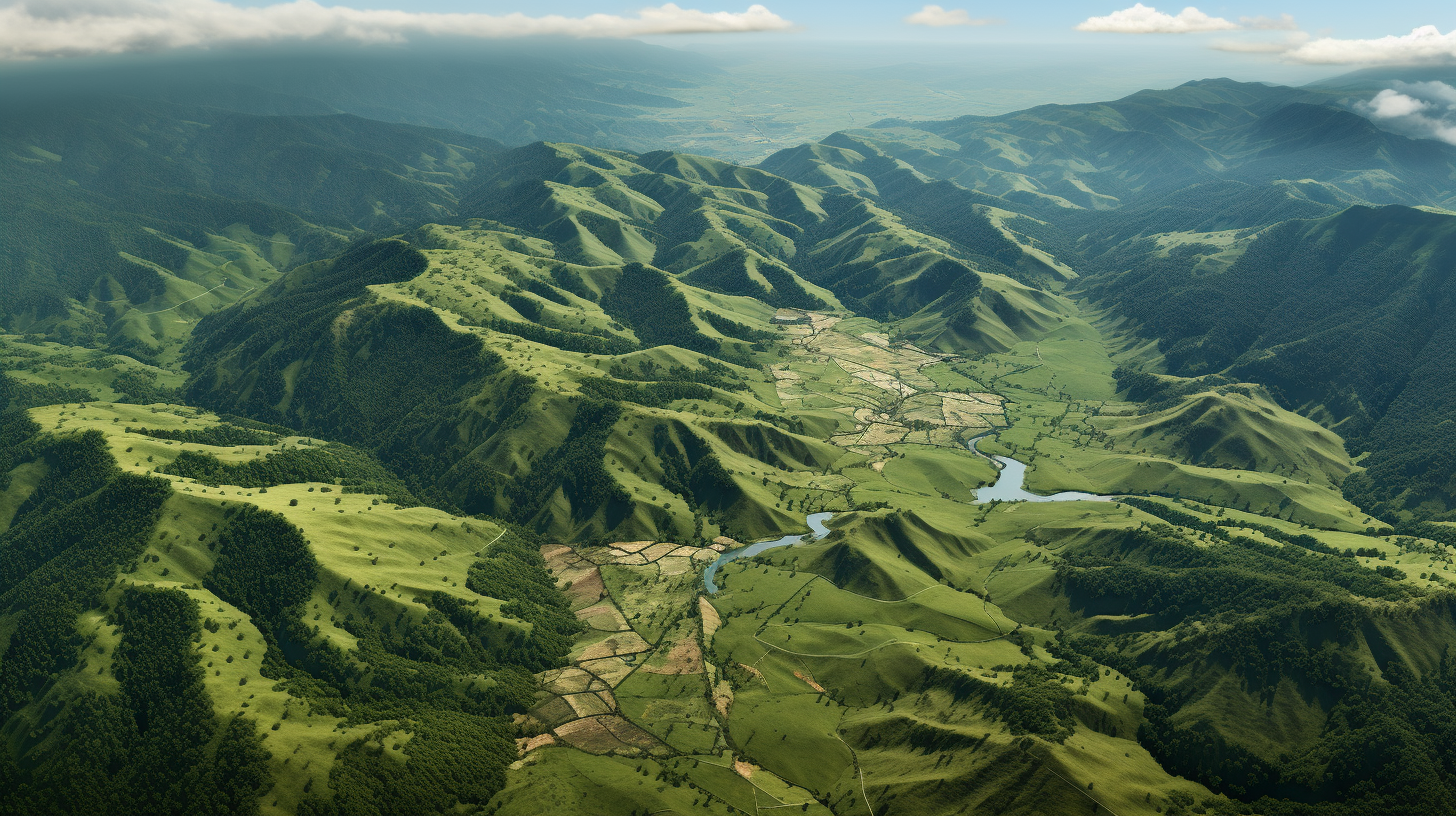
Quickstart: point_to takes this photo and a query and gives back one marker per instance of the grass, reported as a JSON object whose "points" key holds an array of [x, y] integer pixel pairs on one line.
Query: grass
{"points": [[862, 614], [790, 629], [942, 583], [793, 736], [359, 540], [1065, 421], [92, 370], [1242, 430], [568, 782], [934, 472], [820, 683], [673, 707], [24, 479]]}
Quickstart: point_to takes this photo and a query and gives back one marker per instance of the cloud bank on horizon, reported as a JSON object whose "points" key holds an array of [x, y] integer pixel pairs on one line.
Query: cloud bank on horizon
{"points": [[69, 28], [937, 17], [1141, 19], [36, 29], [1423, 46]]}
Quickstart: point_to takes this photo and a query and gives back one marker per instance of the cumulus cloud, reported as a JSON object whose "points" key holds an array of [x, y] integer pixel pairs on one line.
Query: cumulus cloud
{"points": [[42, 28], [1425, 110], [1423, 46], [1141, 19], [937, 17], [1392, 104]]}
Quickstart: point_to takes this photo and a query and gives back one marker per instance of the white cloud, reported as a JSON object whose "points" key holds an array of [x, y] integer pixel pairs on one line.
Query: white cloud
{"points": [[82, 27], [1141, 19], [938, 17], [1425, 110], [1391, 104], [1424, 45]]}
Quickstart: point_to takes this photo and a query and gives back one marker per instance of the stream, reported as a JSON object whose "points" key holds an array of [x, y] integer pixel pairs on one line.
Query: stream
{"points": [[816, 523], [1011, 484]]}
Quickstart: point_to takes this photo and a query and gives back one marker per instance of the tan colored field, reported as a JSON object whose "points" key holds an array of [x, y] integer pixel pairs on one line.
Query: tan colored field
{"points": [[882, 434], [711, 619], [615, 645], [582, 708], [685, 657], [809, 679], [900, 403], [606, 734]]}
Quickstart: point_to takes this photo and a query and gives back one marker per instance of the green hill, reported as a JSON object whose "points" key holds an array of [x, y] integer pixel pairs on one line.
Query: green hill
{"points": [[516, 311], [1104, 155], [1237, 427], [1344, 317], [351, 467], [125, 221], [264, 644]]}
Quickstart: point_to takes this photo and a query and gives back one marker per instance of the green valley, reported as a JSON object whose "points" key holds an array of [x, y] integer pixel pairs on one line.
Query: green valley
{"points": [[352, 467]]}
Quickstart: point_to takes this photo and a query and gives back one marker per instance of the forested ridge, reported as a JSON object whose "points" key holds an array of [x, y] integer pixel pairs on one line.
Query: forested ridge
{"points": [[1269, 616], [1349, 313], [422, 362], [155, 745]]}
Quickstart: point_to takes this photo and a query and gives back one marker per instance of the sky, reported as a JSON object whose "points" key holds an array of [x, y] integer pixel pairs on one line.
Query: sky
{"points": [[1034, 20], [1289, 32]]}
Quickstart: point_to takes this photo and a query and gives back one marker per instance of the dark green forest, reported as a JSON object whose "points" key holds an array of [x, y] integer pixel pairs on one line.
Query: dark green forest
{"points": [[1349, 313]]}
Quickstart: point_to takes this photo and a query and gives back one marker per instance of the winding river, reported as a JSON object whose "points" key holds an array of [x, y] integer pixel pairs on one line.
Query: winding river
{"points": [[1009, 486], [816, 523]]}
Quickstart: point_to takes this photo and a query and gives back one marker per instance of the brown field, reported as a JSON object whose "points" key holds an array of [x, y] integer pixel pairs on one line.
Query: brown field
{"points": [[685, 657], [616, 645]]}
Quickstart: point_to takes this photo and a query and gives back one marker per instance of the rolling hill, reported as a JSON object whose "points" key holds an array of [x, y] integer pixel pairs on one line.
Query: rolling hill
{"points": [[124, 221], [1344, 315], [358, 467]]}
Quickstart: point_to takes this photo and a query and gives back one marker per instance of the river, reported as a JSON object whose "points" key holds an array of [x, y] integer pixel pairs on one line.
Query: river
{"points": [[816, 523], [1011, 484]]}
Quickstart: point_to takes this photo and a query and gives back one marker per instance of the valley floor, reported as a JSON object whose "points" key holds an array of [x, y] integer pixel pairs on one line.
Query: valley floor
{"points": [[803, 682]]}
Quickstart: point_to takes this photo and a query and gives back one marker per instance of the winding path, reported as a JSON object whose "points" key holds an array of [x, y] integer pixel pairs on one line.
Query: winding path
{"points": [[189, 300]]}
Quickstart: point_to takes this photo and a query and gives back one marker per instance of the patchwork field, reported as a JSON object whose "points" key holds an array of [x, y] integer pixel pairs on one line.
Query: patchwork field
{"points": [[890, 390], [812, 664]]}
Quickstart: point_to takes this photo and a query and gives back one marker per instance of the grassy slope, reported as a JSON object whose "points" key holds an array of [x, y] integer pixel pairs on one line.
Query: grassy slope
{"points": [[910, 585], [1242, 430], [358, 539]]}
